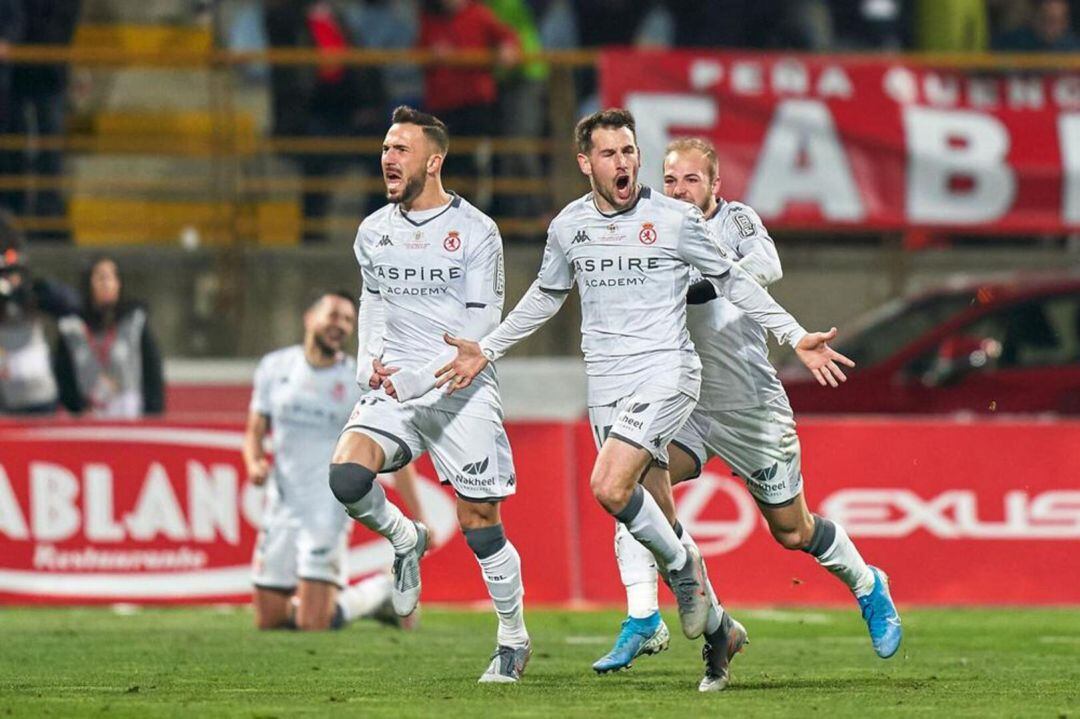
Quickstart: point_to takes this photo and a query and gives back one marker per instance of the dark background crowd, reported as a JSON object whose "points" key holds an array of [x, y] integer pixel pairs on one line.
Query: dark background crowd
{"points": [[343, 100]]}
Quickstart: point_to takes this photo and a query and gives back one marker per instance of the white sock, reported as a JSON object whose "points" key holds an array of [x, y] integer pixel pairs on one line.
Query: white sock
{"points": [[647, 523], [502, 574], [363, 598], [716, 612], [379, 515], [840, 556], [637, 569]]}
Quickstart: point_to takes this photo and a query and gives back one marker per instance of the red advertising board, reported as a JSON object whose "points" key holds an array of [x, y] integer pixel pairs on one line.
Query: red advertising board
{"points": [[862, 141], [955, 512]]}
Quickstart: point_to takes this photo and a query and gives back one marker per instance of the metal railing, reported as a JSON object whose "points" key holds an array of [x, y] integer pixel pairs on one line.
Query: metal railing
{"points": [[235, 181]]}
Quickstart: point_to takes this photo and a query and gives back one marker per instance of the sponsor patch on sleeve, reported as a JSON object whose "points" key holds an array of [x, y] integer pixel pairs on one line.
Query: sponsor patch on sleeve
{"points": [[744, 223]]}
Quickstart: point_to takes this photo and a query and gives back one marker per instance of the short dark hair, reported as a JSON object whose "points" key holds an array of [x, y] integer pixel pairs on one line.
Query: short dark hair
{"points": [[434, 128], [319, 295], [613, 117]]}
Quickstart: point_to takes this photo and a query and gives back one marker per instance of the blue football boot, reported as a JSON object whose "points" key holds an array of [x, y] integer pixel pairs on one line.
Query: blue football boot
{"points": [[881, 616], [638, 636]]}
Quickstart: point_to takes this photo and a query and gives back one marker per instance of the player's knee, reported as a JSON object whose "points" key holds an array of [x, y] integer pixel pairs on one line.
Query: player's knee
{"points": [[792, 539], [485, 541], [793, 536], [350, 482], [611, 495]]}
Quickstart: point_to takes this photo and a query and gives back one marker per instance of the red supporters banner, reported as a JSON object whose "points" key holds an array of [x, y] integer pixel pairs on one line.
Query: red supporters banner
{"points": [[983, 512], [862, 141]]}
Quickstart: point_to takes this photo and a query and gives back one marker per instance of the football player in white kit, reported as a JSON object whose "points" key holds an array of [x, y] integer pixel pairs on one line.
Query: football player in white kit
{"points": [[743, 416], [431, 264], [630, 251], [302, 396]]}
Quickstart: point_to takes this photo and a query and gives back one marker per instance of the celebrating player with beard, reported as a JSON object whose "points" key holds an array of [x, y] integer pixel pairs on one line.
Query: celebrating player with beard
{"points": [[630, 252], [743, 416], [431, 264]]}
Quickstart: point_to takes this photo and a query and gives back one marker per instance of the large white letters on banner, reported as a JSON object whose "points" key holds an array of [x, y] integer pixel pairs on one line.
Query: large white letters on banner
{"points": [[1069, 138], [53, 490], [804, 128], [99, 505], [12, 523], [944, 145], [655, 113]]}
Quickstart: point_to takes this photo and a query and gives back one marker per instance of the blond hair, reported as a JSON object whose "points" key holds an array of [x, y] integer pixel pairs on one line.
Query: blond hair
{"points": [[684, 144]]}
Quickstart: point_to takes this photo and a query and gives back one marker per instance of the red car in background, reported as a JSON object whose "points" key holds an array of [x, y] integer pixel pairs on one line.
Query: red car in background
{"points": [[978, 347]]}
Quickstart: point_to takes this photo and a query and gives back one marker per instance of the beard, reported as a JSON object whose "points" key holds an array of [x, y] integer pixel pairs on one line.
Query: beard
{"points": [[323, 345], [413, 187]]}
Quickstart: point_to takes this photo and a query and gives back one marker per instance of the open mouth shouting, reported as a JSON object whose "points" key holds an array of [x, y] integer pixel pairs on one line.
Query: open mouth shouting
{"points": [[623, 188], [394, 179]]}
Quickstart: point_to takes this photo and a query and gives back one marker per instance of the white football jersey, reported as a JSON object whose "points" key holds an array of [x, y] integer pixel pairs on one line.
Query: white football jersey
{"points": [[736, 372], [632, 270], [307, 407], [428, 267]]}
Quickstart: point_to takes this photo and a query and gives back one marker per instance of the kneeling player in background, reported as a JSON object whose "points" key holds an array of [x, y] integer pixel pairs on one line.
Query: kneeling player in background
{"points": [[302, 396], [743, 417]]}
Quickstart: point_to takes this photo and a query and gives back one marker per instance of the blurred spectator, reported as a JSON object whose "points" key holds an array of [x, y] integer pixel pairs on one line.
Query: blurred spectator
{"points": [[27, 385], [870, 24], [522, 97], [324, 100], [39, 106], [1049, 30], [951, 25], [464, 96], [390, 25], [558, 24], [107, 362]]}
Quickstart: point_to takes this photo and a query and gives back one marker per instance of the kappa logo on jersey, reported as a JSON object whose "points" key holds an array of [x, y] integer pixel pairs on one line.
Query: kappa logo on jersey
{"points": [[581, 237], [657, 440], [475, 468], [647, 234], [452, 243], [385, 242], [744, 223]]}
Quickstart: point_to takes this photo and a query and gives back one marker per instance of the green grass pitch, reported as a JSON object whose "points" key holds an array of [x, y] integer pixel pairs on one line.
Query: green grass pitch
{"points": [[211, 663]]}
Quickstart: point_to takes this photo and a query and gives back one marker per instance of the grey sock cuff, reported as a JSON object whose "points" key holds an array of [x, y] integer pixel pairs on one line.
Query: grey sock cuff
{"points": [[678, 529], [485, 541], [627, 513], [350, 482], [822, 539]]}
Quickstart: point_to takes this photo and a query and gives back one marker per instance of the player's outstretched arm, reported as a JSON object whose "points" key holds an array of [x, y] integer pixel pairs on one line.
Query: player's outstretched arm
{"points": [[536, 307], [811, 348]]}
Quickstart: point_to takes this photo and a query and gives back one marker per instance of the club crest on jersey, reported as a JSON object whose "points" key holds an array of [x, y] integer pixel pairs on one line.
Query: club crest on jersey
{"points": [[452, 242], [647, 234], [338, 392]]}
